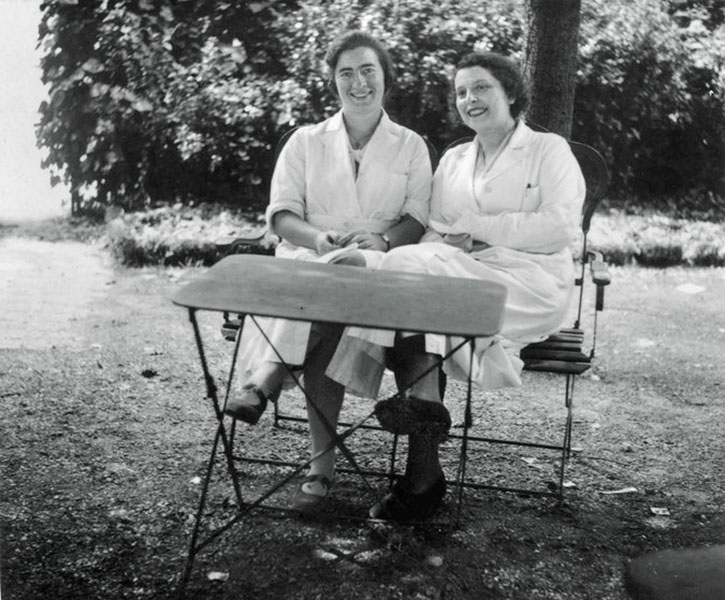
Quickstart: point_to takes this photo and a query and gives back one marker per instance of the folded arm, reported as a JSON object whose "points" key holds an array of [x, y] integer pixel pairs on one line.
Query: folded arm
{"points": [[551, 223]]}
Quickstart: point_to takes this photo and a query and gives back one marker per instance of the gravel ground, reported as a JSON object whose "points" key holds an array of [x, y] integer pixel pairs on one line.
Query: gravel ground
{"points": [[105, 431]]}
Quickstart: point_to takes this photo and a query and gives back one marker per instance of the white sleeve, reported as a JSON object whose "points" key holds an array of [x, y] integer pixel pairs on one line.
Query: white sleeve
{"points": [[418, 187], [554, 224], [287, 191]]}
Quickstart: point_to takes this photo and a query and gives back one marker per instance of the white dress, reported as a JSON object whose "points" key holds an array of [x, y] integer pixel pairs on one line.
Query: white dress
{"points": [[314, 178], [527, 208]]}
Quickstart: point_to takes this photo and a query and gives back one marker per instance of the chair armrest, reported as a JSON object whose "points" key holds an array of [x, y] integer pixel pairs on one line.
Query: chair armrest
{"points": [[599, 269], [248, 238], [600, 276]]}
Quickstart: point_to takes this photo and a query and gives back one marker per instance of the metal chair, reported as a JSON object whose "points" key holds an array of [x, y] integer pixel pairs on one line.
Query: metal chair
{"points": [[564, 353]]}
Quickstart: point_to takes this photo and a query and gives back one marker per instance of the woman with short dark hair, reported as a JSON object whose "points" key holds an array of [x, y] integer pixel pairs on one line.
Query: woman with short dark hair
{"points": [[505, 208]]}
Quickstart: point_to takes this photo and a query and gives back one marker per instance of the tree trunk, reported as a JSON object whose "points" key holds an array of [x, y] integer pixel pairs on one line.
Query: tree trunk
{"points": [[551, 62]]}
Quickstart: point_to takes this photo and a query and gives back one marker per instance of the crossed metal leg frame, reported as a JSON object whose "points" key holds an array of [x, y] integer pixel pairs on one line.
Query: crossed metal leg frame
{"points": [[225, 436], [564, 449]]}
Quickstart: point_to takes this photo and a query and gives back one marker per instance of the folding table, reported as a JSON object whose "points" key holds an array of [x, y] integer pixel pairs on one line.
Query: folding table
{"points": [[251, 285]]}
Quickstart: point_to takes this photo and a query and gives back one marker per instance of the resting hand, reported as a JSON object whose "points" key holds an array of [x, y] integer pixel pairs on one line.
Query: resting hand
{"points": [[327, 241], [364, 240]]}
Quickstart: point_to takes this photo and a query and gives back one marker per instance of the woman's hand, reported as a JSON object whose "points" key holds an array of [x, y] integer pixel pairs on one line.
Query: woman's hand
{"points": [[365, 240], [327, 241], [460, 240]]}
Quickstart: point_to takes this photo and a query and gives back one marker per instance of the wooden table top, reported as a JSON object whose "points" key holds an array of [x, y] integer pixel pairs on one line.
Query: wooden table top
{"points": [[310, 291]]}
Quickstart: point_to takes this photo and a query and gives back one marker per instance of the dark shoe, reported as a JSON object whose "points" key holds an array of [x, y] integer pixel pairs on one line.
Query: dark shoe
{"points": [[305, 502], [408, 415], [249, 406], [401, 505]]}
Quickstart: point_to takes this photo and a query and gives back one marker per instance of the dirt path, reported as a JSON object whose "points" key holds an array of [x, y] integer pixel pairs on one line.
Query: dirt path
{"points": [[46, 289]]}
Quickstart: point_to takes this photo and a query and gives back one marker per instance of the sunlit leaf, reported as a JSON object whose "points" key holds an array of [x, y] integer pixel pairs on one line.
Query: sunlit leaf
{"points": [[93, 65]]}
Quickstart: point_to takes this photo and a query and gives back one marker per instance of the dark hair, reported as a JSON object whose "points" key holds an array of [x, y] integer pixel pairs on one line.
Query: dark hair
{"points": [[358, 39], [506, 72]]}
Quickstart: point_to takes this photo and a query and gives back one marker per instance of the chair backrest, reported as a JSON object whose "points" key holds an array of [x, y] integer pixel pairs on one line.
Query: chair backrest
{"points": [[432, 152], [282, 141], [596, 177], [592, 165], [457, 142]]}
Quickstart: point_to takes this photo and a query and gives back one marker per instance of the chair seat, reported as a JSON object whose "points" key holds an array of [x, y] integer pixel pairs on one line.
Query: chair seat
{"points": [[561, 352], [230, 328]]}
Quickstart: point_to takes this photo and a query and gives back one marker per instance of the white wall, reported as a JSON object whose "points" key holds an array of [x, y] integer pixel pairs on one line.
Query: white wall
{"points": [[25, 191]]}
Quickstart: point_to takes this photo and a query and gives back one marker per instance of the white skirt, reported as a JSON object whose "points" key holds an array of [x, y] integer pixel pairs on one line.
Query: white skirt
{"points": [[286, 341]]}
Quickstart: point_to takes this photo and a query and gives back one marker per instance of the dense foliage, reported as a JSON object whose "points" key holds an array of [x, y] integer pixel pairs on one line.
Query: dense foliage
{"points": [[425, 39], [650, 97], [157, 101], [183, 101]]}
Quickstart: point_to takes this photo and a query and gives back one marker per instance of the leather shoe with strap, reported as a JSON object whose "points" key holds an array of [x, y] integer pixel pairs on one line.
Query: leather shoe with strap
{"points": [[403, 506], [250, 405], [312, 494]]}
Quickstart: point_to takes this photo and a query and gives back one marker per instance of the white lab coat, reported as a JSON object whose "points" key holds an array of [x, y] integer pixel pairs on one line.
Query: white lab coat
{"points": [[314, 179], [527, 207]]}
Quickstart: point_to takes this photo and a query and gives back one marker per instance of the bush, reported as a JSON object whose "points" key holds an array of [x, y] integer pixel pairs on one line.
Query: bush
{"points": [[650, 97], [656, 240], [425, 39], [226, 120], [182, 235], [178, 235], [158, 101]]}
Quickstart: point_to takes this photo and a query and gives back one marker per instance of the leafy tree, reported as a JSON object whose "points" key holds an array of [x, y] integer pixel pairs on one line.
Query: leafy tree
{"points": [[152, 101], [649, 96], [425, 39], [185, 100], [711, 13]]}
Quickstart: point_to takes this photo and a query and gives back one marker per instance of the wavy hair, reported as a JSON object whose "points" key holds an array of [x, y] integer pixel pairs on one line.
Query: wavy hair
{"points": [[507, 73]]}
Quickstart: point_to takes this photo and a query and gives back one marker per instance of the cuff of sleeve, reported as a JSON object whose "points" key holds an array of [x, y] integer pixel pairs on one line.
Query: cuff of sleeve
{"points": [[474, 225]]}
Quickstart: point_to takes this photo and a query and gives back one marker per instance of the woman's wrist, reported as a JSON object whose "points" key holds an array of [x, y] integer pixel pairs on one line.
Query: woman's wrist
{"points": [[319, 238]]}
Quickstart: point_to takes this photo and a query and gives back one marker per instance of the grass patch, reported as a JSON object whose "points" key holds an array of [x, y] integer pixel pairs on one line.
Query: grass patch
{"points": [[657, 240], [180, 235]]}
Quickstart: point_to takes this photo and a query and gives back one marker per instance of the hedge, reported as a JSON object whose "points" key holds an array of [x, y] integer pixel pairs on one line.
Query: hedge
{"points": [[182, 235]]}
